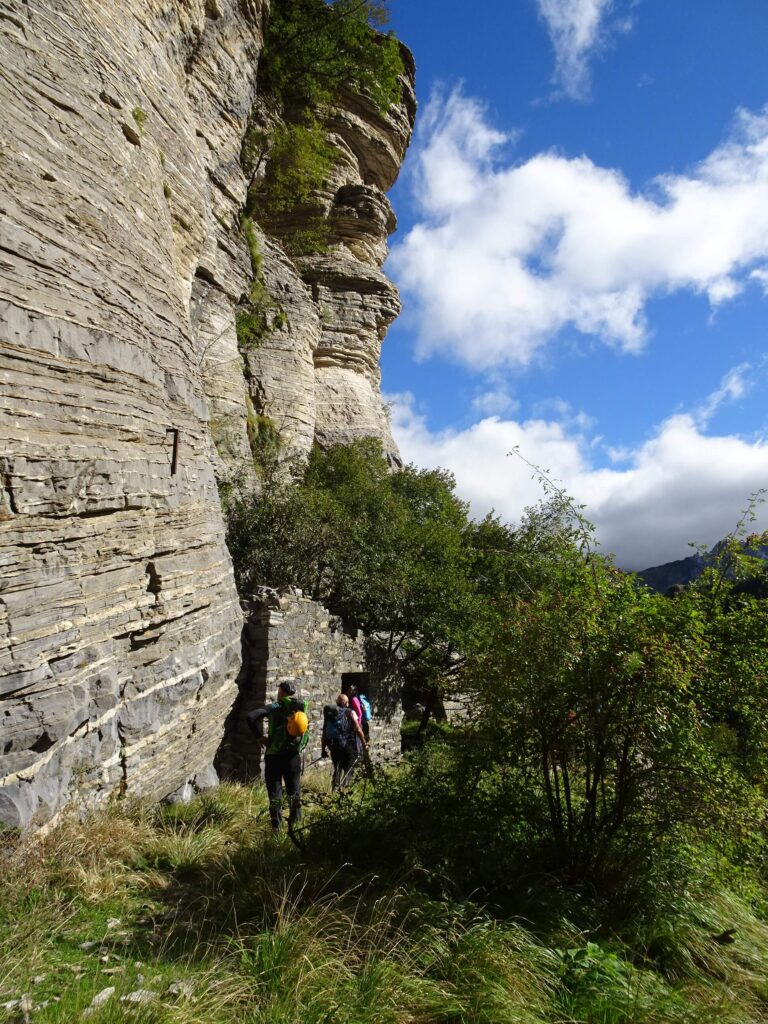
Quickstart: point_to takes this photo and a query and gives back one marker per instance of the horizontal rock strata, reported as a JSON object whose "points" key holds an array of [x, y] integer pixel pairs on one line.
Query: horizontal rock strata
{"points": [[124, 394], [338, 304], [119, 622]]}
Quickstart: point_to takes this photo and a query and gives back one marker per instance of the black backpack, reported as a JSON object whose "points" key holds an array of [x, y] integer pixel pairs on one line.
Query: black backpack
{"points": [[340, 729]]}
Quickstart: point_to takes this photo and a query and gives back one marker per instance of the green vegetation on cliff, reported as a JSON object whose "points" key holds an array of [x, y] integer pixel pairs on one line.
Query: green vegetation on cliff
{"points": [[258, 312], [313, 53]]}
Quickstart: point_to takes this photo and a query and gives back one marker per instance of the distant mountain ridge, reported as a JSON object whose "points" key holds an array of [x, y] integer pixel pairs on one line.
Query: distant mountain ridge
{"points": [[685, 570]]}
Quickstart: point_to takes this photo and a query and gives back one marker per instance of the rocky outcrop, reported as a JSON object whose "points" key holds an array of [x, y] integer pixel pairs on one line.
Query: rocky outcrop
{"points": [[119, 621], [121, 264], [358, 301], [317, 376]]}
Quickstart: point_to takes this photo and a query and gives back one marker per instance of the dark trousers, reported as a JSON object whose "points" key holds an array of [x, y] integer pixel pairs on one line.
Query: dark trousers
{"points": [[343, 759], [279, 769]]}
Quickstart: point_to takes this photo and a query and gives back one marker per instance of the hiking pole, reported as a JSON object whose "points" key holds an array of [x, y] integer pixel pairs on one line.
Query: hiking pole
{"points": [[317, 760]]}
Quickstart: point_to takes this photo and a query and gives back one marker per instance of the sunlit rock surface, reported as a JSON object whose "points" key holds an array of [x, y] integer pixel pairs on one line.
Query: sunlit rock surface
{"points": [[124, 395]]}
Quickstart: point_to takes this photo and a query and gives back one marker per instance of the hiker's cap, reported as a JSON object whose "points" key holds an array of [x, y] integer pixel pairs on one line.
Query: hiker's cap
{"points": [[287, 687]]}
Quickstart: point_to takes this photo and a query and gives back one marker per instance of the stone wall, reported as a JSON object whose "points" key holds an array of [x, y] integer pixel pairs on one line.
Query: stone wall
{"points": [[288, 636]]}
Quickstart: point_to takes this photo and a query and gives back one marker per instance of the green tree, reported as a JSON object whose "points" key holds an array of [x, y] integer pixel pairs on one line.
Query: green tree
{"points": [[313, 51], [389, 552]]}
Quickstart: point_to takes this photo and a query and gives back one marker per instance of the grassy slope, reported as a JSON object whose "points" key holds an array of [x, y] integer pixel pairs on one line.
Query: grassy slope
{"points": [[202, 906]]}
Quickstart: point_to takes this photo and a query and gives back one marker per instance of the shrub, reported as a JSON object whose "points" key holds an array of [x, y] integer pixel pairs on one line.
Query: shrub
{"points": [[299, 161], [258, 312], [265, 443]]}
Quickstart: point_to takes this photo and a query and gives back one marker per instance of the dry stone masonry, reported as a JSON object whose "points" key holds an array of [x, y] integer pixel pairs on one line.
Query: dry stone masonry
{"points": [[124, 394]]}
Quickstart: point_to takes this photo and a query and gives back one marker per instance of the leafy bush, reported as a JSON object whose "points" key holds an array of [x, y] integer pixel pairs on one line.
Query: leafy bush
{"points": [[611, 732], [594, 750], [299, 161], [314, 50], [391, 553]]}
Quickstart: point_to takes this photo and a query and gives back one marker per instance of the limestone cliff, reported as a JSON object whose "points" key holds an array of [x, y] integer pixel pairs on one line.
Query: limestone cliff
{"points": [[121, 263]]}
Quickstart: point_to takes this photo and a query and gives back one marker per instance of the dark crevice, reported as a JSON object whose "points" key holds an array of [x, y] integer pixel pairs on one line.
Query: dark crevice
{"points": [[86, 514], [131, 134], [123, 785], [8, 485], [95, 513], [43, 743], [60, 104], [155, 584], [110, 100], [137, 642], [205, 275]]}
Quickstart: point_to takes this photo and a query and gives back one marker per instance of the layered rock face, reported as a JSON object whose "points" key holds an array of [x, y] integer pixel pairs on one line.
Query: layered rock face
{"points": [[317, 376], [119, 621], [120, 268]]}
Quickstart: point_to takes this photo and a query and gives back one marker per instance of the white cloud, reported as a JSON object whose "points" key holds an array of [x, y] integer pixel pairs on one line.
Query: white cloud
{"points": [[506, 256], [734, 385], [576, 28], [494, 401], [761, 276], [679, 486]]}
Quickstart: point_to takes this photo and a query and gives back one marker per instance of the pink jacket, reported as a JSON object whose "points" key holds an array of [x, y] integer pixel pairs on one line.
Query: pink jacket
{"points": [[357, 707]]}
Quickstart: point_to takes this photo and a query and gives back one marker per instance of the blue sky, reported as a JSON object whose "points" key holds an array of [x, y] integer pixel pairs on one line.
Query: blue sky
{"points": [[583, 257]]}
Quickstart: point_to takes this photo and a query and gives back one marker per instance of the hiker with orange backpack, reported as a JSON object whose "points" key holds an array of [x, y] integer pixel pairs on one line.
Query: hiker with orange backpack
{"points": [[287, 736]]}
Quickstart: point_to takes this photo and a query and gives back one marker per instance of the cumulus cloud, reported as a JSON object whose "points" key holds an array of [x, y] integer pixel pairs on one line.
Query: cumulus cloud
{"points": [[576, 28], [680, 485], [504, 256]]}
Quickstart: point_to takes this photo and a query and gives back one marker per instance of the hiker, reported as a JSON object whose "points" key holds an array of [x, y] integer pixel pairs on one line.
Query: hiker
{"points": [[362, 708], [287, 735], [343, 735]]}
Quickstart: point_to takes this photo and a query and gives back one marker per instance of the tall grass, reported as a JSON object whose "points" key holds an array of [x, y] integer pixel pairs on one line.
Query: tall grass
{"points": [[219, 921]]}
